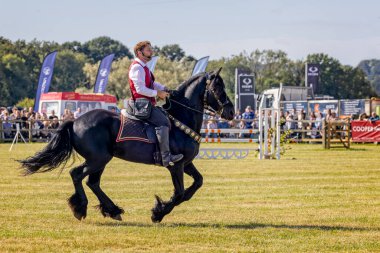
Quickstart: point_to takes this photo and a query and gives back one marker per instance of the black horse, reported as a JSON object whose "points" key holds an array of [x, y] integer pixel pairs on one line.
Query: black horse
{"points": [[93, 136]]}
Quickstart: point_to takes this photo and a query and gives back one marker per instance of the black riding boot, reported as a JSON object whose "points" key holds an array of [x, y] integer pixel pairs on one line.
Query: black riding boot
{"points": [[163, 141]]}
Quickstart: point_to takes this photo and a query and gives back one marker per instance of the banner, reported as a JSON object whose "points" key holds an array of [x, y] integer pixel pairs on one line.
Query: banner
{"points": [[312, 75], [365, 131], [200, 66], [103, 73], [298, 106], [352, 107], [45, 77], [152, 63], [323, 106], [244, 90]]}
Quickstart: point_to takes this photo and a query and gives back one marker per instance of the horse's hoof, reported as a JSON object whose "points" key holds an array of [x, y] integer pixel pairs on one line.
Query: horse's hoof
{"points": [[117, 217], [156, 218], [79, 216]]}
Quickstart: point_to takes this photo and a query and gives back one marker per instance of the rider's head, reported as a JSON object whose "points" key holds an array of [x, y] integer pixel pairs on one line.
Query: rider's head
{"points": [[143, 50]]}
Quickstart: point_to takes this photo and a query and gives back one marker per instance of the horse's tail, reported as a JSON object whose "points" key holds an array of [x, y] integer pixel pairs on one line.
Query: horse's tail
{"points": [[57, 151]]}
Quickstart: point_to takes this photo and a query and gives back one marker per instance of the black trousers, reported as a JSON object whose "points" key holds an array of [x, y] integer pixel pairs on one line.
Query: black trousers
{"points": [[158, 117]]}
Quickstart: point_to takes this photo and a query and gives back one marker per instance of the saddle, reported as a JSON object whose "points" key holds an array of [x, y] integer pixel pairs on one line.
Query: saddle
{"points": [[134, 129]]}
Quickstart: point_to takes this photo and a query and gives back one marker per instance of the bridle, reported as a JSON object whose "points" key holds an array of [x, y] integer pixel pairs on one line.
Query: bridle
{"points": [[208, 91], [216, 97]]}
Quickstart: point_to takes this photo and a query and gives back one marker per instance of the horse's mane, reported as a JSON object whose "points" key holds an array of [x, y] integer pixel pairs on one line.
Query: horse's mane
{"points": [[179, 93], [180, 90]]}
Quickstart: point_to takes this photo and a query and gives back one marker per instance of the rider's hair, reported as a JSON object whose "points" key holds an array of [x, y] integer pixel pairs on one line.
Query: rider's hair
{"points": [[140, 46]]}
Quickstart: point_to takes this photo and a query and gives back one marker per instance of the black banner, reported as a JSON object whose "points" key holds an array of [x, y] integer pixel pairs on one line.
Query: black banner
{"points": [[244, 90], [246, 84], [312, 75]]}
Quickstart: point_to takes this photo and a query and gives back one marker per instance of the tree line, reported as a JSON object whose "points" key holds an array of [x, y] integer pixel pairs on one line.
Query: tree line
{"points": [[77, 63]]}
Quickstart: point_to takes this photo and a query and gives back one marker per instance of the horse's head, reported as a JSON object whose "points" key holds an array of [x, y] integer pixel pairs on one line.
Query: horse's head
{"points": [[215, 97]]}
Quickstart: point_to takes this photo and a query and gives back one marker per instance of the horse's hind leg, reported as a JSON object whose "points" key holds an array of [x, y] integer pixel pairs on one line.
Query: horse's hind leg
{"points": [[78, 201], [106, 206]]}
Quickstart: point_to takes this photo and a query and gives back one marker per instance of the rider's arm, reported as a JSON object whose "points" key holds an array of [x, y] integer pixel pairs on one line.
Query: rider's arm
{"points": [[158, 86], [137, 75]]}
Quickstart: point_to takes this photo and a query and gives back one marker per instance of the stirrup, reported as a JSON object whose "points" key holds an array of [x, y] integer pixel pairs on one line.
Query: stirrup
{"points": [[175, 158]]}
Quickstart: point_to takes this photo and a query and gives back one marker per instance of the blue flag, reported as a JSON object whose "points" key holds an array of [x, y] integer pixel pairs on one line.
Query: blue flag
{"points": [[45, 77], [200, 66], [103, 73], [152, 63]]}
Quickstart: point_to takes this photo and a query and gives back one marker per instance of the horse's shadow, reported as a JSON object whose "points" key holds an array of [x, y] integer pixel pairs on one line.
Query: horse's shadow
{"points": [[248, 226]]}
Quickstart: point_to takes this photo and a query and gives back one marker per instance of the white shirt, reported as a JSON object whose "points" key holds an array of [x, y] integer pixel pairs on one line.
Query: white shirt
{"points": [[77, 114], [137, 75]]}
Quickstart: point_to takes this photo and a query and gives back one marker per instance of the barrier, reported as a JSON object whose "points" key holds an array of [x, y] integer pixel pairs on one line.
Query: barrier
{"points": [[336, 132], [225, 153], [270, 137]]}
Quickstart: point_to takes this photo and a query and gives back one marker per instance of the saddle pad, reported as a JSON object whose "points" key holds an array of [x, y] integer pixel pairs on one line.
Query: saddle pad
{"points": [[132, 130]]}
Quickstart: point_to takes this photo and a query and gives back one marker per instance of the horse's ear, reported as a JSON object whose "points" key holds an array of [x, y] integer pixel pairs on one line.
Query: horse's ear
{"points": [[214, 73], [218, 71]]}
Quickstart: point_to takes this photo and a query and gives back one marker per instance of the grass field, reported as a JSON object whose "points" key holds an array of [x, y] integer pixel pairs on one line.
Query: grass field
{"points": [[312, 200]]}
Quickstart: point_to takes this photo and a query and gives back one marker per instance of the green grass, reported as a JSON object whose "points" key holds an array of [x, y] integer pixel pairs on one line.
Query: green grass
{"points": [[312, 200]]}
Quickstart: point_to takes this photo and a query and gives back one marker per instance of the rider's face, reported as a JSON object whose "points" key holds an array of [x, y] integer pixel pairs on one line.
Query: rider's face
{"points": [[147, 52]]}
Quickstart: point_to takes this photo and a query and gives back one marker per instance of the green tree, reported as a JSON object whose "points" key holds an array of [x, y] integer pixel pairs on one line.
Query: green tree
{"points": [[68, 71], [15, 81], [25, 103], [371, 69], [100, 47], [340, 81], [173, 52]]}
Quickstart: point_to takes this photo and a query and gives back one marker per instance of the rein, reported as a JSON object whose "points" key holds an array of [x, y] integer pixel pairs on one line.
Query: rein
{"points": [[187, 130]]}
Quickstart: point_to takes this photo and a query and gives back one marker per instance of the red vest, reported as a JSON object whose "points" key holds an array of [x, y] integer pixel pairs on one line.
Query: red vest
{"points": [[149, 80]]}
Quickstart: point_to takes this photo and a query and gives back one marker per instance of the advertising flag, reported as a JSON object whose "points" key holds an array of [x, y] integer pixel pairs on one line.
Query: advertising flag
{"points": [[200, 66], [45, 77], [152, 63], [103, 73], [312, 75]]}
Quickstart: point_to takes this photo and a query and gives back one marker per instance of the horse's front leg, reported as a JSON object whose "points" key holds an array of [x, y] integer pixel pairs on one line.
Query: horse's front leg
{"points": [[163, 208]]}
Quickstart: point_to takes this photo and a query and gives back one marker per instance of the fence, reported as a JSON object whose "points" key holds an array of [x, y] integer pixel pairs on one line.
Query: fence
{"points": [[335, 132]]}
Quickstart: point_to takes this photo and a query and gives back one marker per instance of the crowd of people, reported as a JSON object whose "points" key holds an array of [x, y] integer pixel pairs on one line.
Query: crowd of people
{"points": [[42, 124], [294, 120]]}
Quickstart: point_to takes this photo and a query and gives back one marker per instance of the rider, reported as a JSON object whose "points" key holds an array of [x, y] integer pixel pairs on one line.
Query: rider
{"points": [[142, 84]]}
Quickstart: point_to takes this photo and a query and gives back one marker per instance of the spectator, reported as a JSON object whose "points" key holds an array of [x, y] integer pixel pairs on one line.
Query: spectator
{"points": [[44, 116], [78, 113], [53, 116], [7, 126], [363, 116], [248, 116], [289, 125], [211, 124], [30, 111], [67, 115], [37, 125], [374, 117], [328, 116], [242, 125], [54, 124], [223, 124], [300, 124], [45, 133], [318, 121]]}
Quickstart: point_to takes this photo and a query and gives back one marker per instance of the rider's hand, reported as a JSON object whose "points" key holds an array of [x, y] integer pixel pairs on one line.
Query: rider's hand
{"points": [[162, 94]]}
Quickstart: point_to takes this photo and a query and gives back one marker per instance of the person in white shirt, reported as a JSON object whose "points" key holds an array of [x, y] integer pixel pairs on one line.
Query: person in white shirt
{"points": [[143, 85], [78, 113]]}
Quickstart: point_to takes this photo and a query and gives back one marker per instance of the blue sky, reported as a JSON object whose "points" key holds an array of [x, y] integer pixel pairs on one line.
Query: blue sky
{"points": [[346, 30]]}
